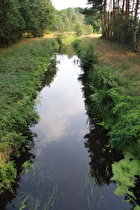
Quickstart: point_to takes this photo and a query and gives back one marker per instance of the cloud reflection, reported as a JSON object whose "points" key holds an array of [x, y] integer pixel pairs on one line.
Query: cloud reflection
{"points": [[61, 109]]}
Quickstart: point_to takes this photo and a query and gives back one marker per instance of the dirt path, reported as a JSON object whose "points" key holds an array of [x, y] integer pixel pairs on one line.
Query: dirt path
{"points": [[24, 41], [116, 55]]}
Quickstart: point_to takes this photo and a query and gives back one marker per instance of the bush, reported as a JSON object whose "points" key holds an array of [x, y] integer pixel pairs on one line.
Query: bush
{"points": [[78, 29]]}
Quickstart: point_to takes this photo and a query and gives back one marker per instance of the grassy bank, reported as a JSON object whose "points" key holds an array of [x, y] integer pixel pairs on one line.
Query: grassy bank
{"points": [[21, 70], [115, 85], [113, 80]]}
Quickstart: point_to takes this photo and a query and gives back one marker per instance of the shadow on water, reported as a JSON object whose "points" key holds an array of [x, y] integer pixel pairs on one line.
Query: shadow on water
{"points": [[49, 74], [101, 155]]}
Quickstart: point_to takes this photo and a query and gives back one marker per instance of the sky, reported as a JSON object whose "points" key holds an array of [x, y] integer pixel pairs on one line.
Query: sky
{"points": [[62, 4]]}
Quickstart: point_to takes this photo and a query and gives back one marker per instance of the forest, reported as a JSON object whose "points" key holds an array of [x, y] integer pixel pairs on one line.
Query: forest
{"points": [[18, 17], [120, 20]]}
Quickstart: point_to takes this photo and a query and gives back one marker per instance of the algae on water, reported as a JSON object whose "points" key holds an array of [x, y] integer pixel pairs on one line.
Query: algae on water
{"points": [[125, 175]]}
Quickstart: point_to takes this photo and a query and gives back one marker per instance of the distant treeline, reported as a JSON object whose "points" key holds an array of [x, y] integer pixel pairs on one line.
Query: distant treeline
{"points": [[71, 18], [120, 20]]}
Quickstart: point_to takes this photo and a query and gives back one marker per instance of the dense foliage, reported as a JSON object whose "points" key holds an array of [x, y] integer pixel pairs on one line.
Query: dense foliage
{"points": [[71, 19], [92, 18], [68, 18], [120, 20], [18, 17]]}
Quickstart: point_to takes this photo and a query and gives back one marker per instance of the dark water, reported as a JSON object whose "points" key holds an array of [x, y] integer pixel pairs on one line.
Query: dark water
{"points": [[70, 163]]}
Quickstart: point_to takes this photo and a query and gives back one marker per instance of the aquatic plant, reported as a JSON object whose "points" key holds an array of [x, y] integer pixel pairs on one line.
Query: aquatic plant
{"points": [[126, 172]]}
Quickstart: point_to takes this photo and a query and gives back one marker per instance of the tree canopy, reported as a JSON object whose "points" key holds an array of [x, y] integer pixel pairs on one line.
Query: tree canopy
{"points": [[68, 18], [71, 19], [24, 16]]}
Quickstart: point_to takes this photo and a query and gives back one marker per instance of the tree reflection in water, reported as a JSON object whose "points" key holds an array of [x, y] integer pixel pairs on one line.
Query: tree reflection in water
{"points": [[101, 156]]}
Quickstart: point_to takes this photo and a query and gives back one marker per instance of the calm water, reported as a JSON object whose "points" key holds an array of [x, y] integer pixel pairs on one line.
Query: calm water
{"points": [[71, 167]]}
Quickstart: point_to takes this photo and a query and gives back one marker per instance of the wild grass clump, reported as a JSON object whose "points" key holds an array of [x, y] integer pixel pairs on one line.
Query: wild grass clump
{"points": [[64, 39], [22, 68], [7, 176], [120, 112]]}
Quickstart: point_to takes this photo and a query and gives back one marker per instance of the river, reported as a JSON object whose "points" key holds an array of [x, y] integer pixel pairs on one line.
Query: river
{"points": [[70, 165]]}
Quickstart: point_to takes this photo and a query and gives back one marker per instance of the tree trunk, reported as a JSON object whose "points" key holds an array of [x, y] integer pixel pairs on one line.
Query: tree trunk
{"points": [[114, 21], [134, 38], [127, 11], [105, 18], [102, 22]]}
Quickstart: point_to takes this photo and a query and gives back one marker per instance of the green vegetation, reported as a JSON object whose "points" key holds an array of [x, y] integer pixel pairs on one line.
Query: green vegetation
{"points": [[78, 29], [64, 39], [24, 17], [71, 19], [27, 18], [68, 18], [125, 175], [115, 106], [120, 20], [8, 174], [92, 18], [22, 68]]}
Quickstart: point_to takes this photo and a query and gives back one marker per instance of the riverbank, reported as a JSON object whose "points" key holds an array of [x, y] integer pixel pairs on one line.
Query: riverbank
{"points": [[114, 80], [119, 78], [22, 67]]}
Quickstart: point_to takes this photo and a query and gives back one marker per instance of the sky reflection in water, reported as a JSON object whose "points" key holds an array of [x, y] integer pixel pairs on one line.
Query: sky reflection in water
{"points": [[61, 109]]}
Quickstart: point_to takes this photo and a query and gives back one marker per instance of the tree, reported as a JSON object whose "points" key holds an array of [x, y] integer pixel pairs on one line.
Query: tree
{"points": [[69, 17], [11, 22], [72, 19], [38, 16], [92, 18], [134, 38], [24, 16], [78, 29]]}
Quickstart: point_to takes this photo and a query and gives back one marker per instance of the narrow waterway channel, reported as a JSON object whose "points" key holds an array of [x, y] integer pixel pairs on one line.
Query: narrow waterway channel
{"points": [[70, 167]]}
